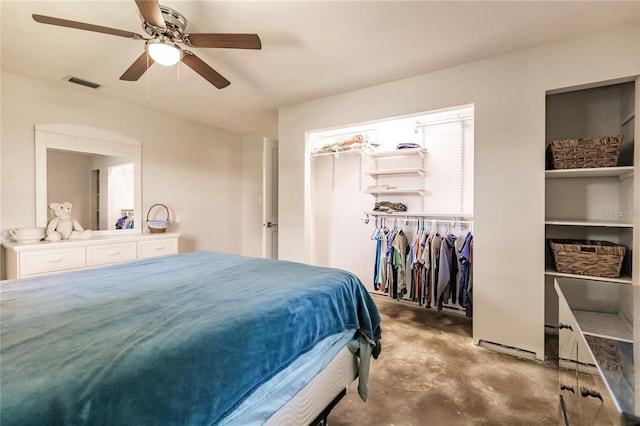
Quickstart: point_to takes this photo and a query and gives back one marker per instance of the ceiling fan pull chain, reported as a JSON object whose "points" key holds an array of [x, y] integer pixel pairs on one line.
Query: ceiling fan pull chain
{"points": [[147, 77]]}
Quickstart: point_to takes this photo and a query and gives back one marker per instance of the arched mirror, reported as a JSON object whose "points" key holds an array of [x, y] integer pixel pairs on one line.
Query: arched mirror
{"points": [[98, 171]]}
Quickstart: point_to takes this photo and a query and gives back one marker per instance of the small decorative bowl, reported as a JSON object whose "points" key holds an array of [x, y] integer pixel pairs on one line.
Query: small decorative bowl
{"points": [[27, 235]]}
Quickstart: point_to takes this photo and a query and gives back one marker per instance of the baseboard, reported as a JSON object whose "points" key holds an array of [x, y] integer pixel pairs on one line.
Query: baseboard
{"points": [[509, 350]]}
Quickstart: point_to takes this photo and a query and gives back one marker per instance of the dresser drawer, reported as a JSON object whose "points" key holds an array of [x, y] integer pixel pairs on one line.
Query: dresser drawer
{"points": [[154, 248], [43, 262], [111, 253]]}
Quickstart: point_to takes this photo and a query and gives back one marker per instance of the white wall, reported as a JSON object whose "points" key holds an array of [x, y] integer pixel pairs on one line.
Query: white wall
{"points": [[193, 169], [509, 96], [67, 180]]}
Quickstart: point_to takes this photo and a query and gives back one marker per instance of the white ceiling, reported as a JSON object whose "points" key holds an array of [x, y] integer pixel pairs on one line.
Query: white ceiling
{"points": [[309, 49]]}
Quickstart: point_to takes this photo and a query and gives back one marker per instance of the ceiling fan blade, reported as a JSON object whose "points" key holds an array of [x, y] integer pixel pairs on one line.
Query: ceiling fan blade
{"points": [[208, 73], [138, 68], [150, 10], [84, 26], [231, 41]]}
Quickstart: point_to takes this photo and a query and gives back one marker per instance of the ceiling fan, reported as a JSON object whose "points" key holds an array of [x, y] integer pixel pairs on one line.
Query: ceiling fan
{"points": [[166, 28]]}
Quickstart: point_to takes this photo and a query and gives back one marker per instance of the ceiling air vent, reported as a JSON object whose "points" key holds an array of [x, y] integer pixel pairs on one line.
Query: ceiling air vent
{"points": [[82, 82]]}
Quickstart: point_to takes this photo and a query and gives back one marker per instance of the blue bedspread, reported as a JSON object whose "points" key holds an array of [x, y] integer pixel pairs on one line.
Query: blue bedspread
{"points": [[176, 340]]}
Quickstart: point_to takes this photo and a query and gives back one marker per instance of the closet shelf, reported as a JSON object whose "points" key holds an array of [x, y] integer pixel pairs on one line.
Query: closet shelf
{"points": [[623, 279], [444, 216], [607, 325], [622, 171], [414, 170], [592, 223], [397, 153], [396, 191], [337, 153]]}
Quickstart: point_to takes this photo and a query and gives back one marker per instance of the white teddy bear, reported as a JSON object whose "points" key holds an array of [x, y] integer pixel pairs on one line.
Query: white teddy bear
{"points": [[62, 226]]}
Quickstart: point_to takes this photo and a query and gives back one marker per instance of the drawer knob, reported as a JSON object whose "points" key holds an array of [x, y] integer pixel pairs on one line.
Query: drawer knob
{"points": [[58, 260], [160, 248], [588, 392], [117, 253], [561, 326], [569, 388]]}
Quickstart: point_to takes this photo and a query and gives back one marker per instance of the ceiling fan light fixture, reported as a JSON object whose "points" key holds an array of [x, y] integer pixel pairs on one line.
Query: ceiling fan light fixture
{"points": [[164, 52]]}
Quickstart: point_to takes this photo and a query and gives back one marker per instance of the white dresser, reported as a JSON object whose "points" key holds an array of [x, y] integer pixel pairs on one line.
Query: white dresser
{"points": [[44, 257]]}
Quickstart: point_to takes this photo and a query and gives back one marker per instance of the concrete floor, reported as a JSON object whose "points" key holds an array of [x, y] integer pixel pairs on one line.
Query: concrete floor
{"points": [[429, 373]]}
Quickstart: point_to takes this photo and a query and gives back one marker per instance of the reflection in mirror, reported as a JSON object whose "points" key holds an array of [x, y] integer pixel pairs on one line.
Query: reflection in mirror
{"points": [[100, 188], [96, 170]]}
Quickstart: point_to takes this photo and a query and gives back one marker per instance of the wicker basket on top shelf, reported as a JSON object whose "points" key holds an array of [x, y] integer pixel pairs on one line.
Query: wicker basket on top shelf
{"points": [[585, 153], [586, 257]]}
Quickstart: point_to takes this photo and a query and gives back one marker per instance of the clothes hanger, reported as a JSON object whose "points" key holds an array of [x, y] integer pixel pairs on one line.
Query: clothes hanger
{"points": [[376, 231]]}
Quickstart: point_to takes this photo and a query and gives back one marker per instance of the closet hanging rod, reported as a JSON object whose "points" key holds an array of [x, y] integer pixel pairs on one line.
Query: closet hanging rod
{"points": [[422, 215], [416, 219]]}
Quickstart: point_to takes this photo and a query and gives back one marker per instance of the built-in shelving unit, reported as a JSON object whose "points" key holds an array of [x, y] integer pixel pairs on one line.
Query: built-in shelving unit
{"points": [[590, 203], [401, 171]]}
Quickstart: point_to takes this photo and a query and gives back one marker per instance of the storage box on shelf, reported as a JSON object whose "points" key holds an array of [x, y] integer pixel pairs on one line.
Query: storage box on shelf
{"points": [[585, 153], [584, 257]]}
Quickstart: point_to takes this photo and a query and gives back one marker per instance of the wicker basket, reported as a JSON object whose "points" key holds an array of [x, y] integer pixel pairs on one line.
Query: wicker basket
{"points": [[585, 153], [584, 257], [157, 226]]}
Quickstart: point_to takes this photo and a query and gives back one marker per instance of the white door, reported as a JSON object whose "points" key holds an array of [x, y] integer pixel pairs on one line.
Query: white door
{"points": [[270, 198]]}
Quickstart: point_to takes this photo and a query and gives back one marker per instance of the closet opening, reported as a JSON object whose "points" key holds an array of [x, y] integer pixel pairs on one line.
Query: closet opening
{"points": [[409, 177]]}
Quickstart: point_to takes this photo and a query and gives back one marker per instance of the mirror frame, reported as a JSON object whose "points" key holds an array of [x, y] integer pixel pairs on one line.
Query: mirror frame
{"points": [[91, 140]]}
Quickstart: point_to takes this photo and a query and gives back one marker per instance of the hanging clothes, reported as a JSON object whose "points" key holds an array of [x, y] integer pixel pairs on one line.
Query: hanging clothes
{"points": [[390, 283], [380, 265], [436, 242], [424, 268], [427, 239], [125, 222], [415, 263], [448, 270], [376, 266], [401, 247], [466, 259]]}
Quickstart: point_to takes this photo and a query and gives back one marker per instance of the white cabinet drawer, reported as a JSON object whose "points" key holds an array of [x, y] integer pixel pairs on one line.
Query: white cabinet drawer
{"points": [[111, 253], [154, 248], [42, 262]]}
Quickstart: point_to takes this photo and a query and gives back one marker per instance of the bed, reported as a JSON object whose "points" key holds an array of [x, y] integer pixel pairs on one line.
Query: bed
{"points": [[200, 338]]}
